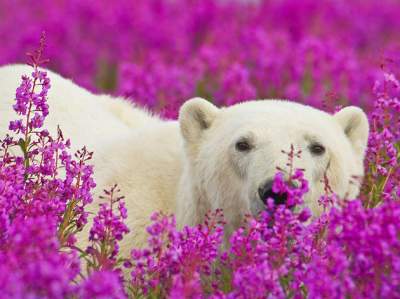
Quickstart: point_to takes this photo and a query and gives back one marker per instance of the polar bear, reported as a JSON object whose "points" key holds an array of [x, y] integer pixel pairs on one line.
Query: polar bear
{"points": [[210, 158]]}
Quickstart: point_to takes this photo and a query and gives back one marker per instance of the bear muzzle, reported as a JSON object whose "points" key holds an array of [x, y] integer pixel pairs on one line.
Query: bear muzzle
{"points": [[265, 192]]}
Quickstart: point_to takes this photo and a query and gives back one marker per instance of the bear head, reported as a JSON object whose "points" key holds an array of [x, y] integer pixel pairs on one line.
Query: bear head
{"points": [[232, 155]]}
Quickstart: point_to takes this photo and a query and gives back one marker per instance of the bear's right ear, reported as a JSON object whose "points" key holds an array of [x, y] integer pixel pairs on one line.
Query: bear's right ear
{"points": [[355, 125], [195, 116]]}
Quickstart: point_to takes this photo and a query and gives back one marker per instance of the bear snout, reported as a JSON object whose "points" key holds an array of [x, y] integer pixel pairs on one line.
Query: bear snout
{"points": [[265, 192]]}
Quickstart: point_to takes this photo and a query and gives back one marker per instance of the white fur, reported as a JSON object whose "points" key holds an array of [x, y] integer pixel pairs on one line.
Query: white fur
{"points": [[192, 166]]}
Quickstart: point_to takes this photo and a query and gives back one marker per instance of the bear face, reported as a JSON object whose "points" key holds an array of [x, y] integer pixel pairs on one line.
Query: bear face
{"points": [[232, 154]]}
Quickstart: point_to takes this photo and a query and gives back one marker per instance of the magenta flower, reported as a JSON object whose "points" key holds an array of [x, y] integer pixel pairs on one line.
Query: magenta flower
{"points": [[102, 285]]}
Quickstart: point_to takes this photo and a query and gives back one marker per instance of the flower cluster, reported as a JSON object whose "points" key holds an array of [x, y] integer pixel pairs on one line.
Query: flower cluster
{"points": [[362, 254], [32, 264], [175, 261], [383, 172], [43, 193], [108, 228], [104, 284]]}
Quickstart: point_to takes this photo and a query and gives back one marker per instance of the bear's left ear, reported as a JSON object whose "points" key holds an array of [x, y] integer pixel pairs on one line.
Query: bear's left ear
{"points": [[355, 125], [195, 116]]}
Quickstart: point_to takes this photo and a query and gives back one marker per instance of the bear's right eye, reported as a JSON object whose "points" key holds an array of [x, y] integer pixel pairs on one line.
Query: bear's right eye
{"points": [[317, 149], [243, 146]]}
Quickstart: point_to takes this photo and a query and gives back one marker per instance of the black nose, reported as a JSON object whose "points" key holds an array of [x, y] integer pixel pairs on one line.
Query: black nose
{"points": [[266, 192]]}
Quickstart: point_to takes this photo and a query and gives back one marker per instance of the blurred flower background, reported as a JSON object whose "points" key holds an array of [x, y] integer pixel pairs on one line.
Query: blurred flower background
{"points": [[162, 52], [159, 53]]}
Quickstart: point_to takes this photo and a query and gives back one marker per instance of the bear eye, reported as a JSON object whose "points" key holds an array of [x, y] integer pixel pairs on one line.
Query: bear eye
{"points": [[243, 146], [317, 149]]}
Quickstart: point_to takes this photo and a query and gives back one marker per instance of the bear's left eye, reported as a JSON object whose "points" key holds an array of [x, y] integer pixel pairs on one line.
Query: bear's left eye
{"points": [[317, 149], [243, 146]]}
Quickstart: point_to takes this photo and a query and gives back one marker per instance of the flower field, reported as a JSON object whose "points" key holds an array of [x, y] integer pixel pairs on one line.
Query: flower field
{"points": [[159, 53]]}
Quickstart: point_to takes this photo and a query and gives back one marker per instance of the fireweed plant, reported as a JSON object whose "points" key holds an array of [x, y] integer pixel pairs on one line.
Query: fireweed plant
{"points": [[323, 53], [43, 193]]}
